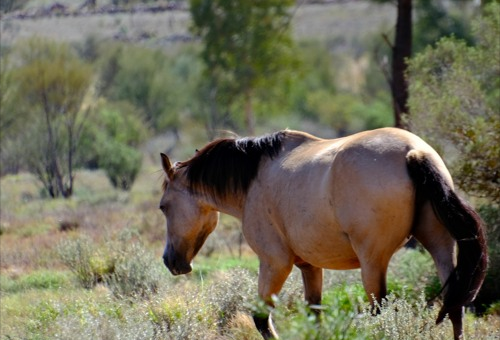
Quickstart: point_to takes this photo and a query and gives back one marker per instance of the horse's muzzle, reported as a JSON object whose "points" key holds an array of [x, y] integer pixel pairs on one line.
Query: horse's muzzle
{"points": [[175, 263]]}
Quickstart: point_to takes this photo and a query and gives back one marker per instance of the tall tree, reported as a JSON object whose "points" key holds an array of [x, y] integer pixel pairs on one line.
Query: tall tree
{"points": [[247, 47], [401, 52], [53, 82]]}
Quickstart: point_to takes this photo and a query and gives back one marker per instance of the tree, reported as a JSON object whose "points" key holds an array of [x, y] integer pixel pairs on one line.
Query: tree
{"points": [[247, 47], [53, 82], [455, 95], [401, 52], [432, 22]]}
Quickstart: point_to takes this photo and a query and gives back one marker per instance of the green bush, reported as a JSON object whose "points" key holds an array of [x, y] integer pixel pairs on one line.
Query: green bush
{"points": [[110, 140], [47, 86], [489, 295], [454, 96], [136, 273], [122, 264], [336, 321], [89, 264], [454, 106], [121, 163]]}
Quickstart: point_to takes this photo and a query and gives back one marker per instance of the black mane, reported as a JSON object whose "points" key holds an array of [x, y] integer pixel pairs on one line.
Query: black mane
{"points": [[228, 165]]}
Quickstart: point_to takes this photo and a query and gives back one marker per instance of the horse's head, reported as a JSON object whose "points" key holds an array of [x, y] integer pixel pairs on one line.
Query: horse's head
{"points": [[189, 219]]}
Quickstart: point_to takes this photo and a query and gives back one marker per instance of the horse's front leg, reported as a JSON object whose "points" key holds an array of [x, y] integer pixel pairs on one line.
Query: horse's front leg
{"points": [[272, 276], [313, 284]]}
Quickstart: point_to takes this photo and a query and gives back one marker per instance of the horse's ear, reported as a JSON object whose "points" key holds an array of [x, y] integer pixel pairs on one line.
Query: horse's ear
{"points": [[167, 166]]}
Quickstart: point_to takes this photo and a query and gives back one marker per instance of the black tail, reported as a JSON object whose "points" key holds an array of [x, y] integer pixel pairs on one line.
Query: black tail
{"points": [[464, 225]]}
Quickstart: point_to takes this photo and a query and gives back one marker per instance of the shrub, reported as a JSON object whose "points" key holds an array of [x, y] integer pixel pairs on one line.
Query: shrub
{"points": [[411, 272], [230, 293], [490, 292], [135, 273], [454, 105], [110, 140], [336, 319], [123, 264], [121, 163], [401, 318], [89, 265]]}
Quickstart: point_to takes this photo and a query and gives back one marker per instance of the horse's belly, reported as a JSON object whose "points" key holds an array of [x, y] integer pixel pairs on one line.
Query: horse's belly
{"points": [[332, 251]]}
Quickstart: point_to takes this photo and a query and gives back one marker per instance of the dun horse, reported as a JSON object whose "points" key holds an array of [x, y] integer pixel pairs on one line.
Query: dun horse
{"points": [[337, 204]]}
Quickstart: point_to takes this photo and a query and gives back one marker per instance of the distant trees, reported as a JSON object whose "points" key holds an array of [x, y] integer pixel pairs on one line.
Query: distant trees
{"points": [[52, 121], [247, 47]]}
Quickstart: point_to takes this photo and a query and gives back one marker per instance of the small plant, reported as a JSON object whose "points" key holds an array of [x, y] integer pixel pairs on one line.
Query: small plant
{"points": [[401, 318], [335, 322], [230, 294], [80, 256], [135, 273], [124, 265]]}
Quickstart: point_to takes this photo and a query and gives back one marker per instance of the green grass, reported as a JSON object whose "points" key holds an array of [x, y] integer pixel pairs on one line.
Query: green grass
{"points": [[35, 280], [204, 266]]}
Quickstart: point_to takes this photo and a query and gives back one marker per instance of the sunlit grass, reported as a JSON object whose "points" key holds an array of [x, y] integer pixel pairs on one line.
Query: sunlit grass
{"points": [[41, 298]]}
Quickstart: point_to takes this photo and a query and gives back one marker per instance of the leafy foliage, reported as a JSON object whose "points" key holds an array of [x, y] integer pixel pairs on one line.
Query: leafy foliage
{"points": [[455, 91], [435, 20], [247, 47], [454, 100], [155, 83]]}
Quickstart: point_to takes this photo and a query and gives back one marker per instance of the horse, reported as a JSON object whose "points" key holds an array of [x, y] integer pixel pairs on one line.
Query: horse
{"points": [[316, 203]]}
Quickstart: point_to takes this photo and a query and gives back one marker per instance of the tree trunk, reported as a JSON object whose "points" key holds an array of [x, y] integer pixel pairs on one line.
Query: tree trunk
{"points": [[401, 52]]}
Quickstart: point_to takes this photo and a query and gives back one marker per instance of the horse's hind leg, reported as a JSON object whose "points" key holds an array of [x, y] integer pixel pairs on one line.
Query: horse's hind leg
{"points": [[313, 282], [373, 275], [441, 245], [436, 240], [312, 278]]}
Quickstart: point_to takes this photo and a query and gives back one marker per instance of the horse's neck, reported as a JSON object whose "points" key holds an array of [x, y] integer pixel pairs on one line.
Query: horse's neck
{"points": [[229, 205]]}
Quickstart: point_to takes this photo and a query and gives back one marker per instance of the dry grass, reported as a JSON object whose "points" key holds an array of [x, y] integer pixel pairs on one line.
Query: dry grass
{"points": [[42, 299]]}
